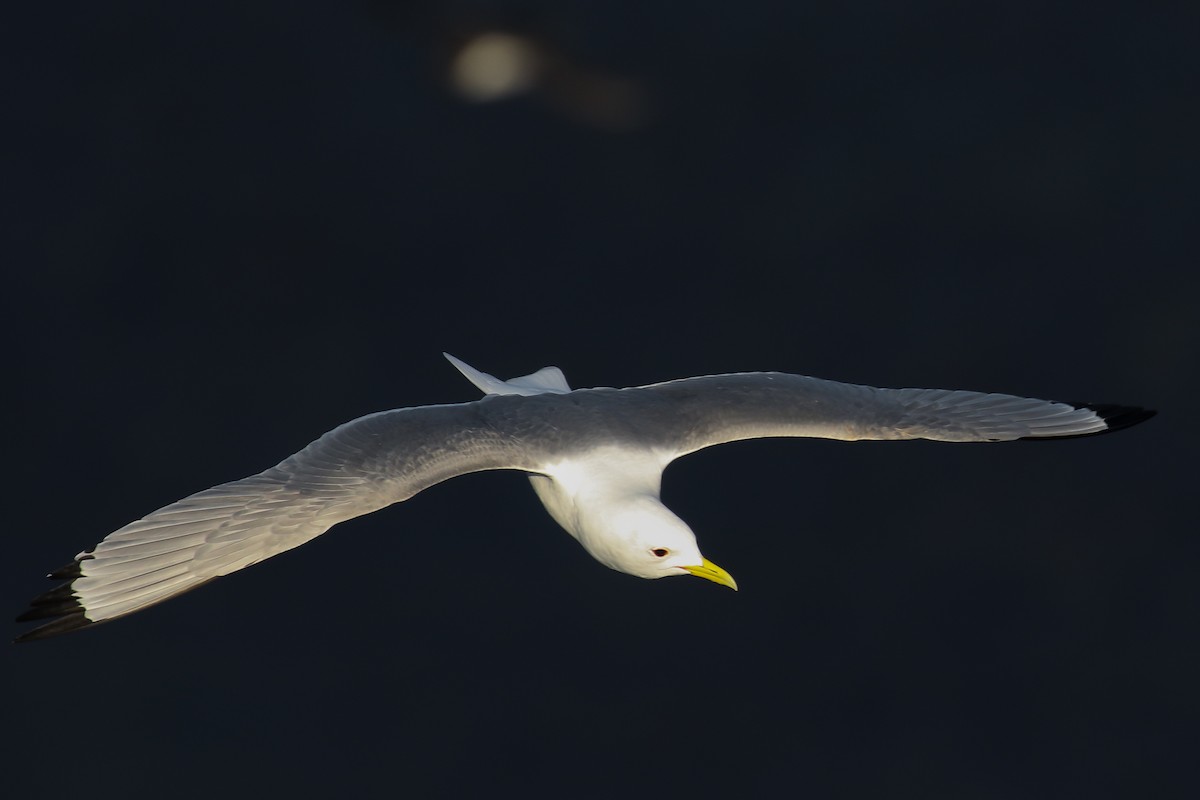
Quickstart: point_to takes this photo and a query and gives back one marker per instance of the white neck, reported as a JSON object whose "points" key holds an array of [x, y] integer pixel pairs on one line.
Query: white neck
{"points": [[581, 495]]}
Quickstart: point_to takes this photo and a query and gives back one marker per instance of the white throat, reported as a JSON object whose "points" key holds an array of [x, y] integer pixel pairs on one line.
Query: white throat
{"points": [[608, 498], [600, 499]]}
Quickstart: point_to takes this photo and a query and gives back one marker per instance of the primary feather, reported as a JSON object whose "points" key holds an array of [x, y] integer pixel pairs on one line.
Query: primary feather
{"points": [[595, 455]]}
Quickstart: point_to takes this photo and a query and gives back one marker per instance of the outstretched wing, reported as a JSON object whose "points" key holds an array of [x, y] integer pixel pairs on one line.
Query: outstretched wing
{"points": [[723, 408], [353, 470]]}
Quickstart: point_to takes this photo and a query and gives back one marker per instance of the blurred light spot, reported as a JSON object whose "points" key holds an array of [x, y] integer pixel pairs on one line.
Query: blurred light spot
{"points": [[493, 66]]}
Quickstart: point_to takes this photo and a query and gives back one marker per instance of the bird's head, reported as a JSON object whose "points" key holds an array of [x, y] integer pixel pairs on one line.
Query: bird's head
{"points": [[645, 539]]}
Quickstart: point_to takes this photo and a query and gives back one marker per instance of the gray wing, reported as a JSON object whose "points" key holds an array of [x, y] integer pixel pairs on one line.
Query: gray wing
{"points": [[353, 470], [722, 408]]}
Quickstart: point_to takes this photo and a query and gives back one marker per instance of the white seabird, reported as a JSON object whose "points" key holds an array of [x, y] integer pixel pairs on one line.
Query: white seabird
{"points": [[595, 458]]}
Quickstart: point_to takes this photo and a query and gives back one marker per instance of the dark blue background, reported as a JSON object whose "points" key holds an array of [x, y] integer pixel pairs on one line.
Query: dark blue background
{"points": [[233, 226]]}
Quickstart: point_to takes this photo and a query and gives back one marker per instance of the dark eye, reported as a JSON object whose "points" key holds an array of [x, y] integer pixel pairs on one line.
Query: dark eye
{"points": [[661, 552]]}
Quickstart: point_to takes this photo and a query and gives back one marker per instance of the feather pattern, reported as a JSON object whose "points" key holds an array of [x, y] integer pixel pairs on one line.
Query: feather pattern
{"points": [[535, 424]]}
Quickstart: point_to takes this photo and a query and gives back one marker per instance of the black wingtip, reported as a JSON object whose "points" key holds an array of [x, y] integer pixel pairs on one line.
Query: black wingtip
{"points": [[71, 622], [60, 605], [55, 603], [62, 602], [1118, 417], [1115, 418], [68, 572]]}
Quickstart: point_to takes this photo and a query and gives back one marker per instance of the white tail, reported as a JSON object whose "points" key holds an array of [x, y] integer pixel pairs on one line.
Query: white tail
{"points": [[547, 380]]}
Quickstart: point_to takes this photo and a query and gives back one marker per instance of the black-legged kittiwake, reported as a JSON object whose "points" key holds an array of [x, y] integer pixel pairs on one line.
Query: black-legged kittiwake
{"points": [[595, 458]]}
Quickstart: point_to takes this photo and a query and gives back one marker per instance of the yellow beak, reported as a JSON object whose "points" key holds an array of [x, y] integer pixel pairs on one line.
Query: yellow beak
{"points": [[713, 573]]}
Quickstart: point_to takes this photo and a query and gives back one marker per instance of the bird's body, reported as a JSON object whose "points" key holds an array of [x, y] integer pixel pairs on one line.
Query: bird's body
{"points": [[594, 456]]}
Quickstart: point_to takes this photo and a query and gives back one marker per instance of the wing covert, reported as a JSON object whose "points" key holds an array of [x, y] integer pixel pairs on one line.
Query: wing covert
{"points": [[722, 408], [357, 468]]}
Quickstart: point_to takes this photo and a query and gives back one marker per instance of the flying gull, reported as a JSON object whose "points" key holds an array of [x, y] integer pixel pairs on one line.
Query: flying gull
{"points": [[595, 458]]}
